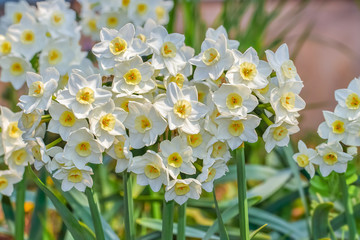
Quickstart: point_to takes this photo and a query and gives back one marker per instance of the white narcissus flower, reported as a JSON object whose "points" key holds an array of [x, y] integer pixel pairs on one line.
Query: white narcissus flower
{"points": [[81, 148], [249, 70], [304, 158], [28, 37], [177, 156], [264, 94], [116, 46], [180, 190], [214, 34], [14, 11], [112, 19], [210, 173], [150, 170], [7, 180], [14, 69], [181, 108], [106, 122], [283, 66], [331, 158], [144, 123], [216, 150], [161, 11], [59, 54], [278, 134], [37, 148], [5, 45], [83, 94], [89, 25], [140, 10], [167, 52], [29, 122], [237, 130], [198, 142], [41, 89], [63, 121], [349, 100], [286, 101], [57, 16], [18, 158], [143, 33], [133, 76], [353, 138], [334, 129], [122, 100], [73, 177], [10, 132], [215, 57], [120, 151], [234, 99]]}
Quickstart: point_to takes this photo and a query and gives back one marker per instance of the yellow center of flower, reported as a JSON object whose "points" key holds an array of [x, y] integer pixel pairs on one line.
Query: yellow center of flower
{"points": [[338, 127], [152, 171], [125, 3], [5, 47], [57, 19], [219, 149], [63, 81], [178, 79], [27, 37], [36, 89], [16, 69], [175, 160], [125, 105], [132, 77], [92, 25], [181, 189], [214, 115], [28, 119], [107, 122], [233, 101], [352, 101], [119, 149], [288, 69], [201, 96], [264, 90], [17, 16], [75, 175], [160, 12], [67, 119], [248, 71], [302, 160], [182, 108], [83, 149], [288, 100], [168, 50], [3, 183], [142, 124], [13, 130], [220, 80], [211, 174], [330, 158], [279, 133], [236, 128], [19, 156], [141, 37], [117, 46], [112, 22], [54, 56], [36, 152], [141, 8], [194, 140], [85, 96], [211, 56]]}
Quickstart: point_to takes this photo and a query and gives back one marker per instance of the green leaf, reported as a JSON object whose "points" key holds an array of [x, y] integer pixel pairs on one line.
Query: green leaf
{"points": [[254, 233], [20, 212], [73, 225], [156, 224], [222, 229], [8, 212], [320, 220]]}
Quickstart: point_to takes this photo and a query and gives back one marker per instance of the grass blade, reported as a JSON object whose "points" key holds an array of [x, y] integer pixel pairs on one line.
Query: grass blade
{"points": [[222, 229], [129, 208], [254, 233], [95, 214]]}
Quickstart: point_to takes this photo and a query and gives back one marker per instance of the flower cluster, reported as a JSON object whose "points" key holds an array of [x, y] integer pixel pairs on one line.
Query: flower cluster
{"points": [[146, 96], [340, 127]]}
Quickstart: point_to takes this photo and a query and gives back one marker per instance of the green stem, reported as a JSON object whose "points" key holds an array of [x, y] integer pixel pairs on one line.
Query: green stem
{"points": [[181, 222], [129, 208], [349, 212], [99, 232], [168, 218], [266, 119], [8, 212], [52, 144], [20, 212], [242, 200], [222, 230]]}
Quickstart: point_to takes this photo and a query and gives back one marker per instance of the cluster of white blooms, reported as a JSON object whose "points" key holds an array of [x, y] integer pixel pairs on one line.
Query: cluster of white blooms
{"points": [[341, 127], [146, 96], [114, 14]]}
